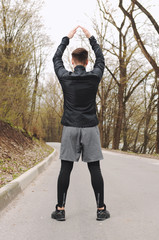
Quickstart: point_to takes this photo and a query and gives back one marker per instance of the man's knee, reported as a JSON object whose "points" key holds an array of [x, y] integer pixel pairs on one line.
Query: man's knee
{"points": [[66, 166]]}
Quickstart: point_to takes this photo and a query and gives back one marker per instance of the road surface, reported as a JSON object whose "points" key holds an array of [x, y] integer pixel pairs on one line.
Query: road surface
{"points": [[131, 196]]}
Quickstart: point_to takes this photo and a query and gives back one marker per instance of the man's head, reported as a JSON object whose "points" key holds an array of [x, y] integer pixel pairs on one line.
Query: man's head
{"points": [[80, 57]]}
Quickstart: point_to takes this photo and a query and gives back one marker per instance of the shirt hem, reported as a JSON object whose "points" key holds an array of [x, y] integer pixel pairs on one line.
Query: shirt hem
{"points": [[80, 126]]}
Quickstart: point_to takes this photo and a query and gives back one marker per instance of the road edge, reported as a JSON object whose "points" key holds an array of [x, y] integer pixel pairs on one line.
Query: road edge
{"points": [[141, 155], [16, 186]]}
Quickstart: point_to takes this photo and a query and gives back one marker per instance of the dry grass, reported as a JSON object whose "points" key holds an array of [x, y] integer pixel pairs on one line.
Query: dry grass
{"points": [[18, 152]]}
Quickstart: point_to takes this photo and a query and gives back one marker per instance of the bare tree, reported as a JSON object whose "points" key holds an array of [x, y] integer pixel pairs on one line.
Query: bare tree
{"points": [[141, 44], [125, 73]]}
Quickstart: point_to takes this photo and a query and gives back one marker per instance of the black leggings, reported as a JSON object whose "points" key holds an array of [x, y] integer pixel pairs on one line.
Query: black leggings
{"points": [[96, 180]]}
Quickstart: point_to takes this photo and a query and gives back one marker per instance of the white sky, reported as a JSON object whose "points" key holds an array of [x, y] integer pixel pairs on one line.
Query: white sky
{"points": [[61, 16]]}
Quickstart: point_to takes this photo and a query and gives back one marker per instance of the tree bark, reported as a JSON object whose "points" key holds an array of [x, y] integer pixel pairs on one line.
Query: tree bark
{"points": [[157, 136], [121, 87], [125, 144]]}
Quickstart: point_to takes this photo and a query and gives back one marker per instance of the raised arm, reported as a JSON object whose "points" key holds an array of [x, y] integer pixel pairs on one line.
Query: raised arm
{"points": [[57, 59], [99, 62]]}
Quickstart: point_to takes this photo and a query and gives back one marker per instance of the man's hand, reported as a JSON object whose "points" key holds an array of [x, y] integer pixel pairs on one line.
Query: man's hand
{"points": [[72, 33], [86, 32]]}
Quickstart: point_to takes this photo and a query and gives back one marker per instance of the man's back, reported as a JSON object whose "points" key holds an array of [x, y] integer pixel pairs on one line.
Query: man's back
{"points": [[79, 87]]}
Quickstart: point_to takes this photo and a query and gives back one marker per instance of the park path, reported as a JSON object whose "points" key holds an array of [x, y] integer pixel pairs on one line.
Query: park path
{"points": [[131, 196]]}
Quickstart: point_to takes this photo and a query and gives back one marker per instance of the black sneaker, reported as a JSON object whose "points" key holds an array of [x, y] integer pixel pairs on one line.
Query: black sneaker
{"points": [[102, 214], [59, 215]]}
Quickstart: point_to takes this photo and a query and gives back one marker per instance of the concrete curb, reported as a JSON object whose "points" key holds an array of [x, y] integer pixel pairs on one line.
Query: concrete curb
{"points": [[12, 189]]}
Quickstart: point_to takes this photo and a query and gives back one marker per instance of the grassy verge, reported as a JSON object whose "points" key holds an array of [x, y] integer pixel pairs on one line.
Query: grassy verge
{"points": [[18, 163]]}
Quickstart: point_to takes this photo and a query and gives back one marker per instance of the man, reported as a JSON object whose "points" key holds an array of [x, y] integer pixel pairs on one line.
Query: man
{"points": [[80, 133]]}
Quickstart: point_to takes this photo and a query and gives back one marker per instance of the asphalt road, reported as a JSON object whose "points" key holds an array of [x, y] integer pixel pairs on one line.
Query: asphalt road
{"points": [[131, 196]]}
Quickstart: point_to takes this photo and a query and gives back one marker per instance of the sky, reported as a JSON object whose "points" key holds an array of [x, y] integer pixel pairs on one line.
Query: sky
{"points": [[60, 16]]}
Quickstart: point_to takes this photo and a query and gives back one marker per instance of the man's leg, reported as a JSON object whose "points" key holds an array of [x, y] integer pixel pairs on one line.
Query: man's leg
{"points": [[63, 182], [97, 183]]}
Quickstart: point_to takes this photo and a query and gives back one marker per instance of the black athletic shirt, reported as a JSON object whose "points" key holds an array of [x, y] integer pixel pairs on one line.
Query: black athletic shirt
{"points": [[79, 87]]}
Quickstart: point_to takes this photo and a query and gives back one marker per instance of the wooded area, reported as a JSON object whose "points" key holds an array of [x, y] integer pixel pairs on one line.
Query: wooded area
{"points": [[128, 95]]}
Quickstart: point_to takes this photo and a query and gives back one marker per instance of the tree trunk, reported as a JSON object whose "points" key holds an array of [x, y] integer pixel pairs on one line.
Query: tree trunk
{"points": [[146, 138], [118, 127], [125, 144], [157, 136], [121, 87], [31, 116]]}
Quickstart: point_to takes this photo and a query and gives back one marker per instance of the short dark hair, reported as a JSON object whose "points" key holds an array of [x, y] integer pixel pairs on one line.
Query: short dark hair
{"points": [[80, 55]]}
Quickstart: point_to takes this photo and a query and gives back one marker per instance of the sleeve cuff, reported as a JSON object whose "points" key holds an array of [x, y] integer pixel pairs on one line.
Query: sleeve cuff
{"points": [[65, 40], [92, 39]]}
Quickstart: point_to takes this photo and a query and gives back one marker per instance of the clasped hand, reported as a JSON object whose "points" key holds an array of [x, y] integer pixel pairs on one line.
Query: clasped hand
{"points": [[72, 33]]}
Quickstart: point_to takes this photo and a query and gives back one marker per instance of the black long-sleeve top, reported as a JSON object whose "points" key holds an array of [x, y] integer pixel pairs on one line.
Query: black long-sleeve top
{"points": [[79, 87]]}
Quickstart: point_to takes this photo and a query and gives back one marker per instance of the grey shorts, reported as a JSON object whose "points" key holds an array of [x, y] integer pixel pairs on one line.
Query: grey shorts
{"points": [[77, 141]]}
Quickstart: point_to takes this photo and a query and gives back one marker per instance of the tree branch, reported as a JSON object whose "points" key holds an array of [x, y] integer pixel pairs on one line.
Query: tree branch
{"points": [[138, 38], [153, 21], [131, 91], [112, 75]]}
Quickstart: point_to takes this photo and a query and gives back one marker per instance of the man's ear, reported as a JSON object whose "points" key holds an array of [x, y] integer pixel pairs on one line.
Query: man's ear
{"points": [[86, 62], [72, 61]]}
